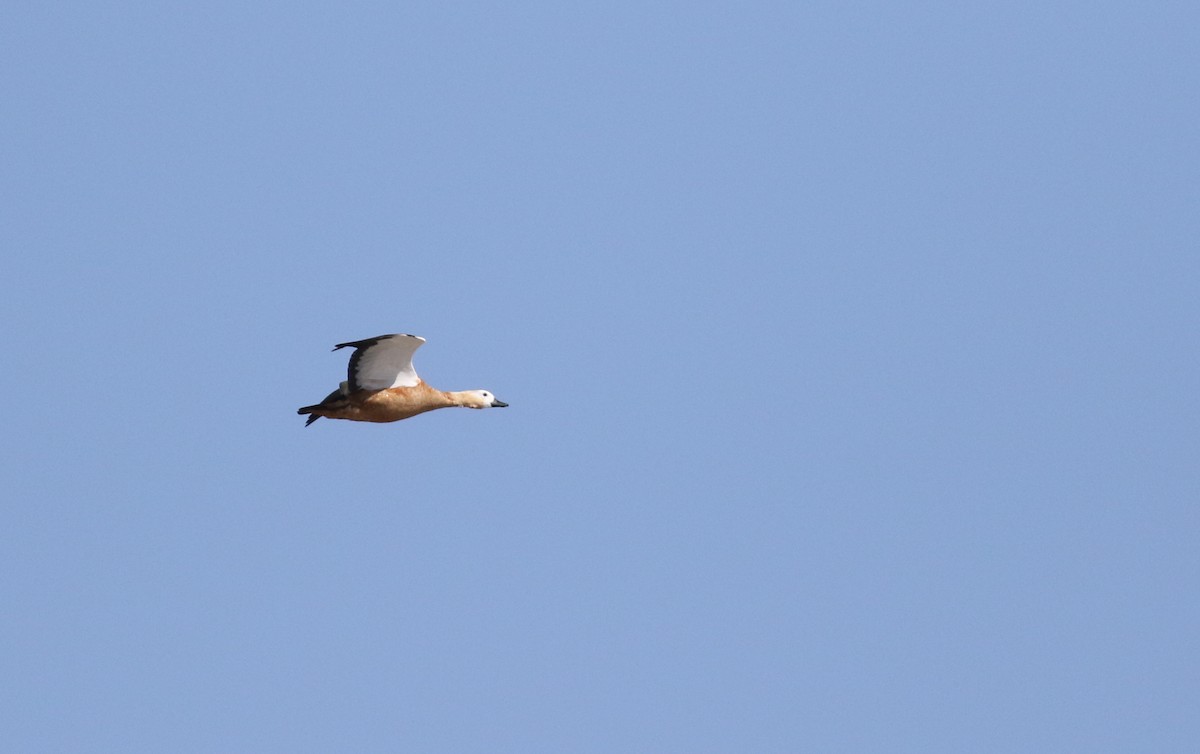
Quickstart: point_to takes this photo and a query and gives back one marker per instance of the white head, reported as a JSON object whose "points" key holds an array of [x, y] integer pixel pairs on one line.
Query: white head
{"points": [[480, 399]]}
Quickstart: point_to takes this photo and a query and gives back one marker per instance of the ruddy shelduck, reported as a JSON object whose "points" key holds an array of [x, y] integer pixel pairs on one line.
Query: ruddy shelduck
{"points": [[383, 387]]}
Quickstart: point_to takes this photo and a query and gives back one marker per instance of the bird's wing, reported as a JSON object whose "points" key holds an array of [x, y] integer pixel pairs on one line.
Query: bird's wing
{"points": [[383, 362]]}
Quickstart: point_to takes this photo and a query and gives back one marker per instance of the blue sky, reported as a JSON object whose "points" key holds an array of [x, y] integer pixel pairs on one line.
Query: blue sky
{"points": [[850, 351]]}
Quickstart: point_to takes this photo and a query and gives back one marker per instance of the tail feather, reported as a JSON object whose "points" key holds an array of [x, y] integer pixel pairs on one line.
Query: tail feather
{"points": [[309, 410], [333, 401]]}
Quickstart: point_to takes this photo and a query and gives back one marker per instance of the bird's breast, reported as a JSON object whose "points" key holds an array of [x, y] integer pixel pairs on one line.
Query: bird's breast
{"points": [[394, 404]]}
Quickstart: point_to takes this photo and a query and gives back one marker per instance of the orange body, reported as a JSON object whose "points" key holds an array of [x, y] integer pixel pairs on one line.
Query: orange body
{"points": [[392, 404]]}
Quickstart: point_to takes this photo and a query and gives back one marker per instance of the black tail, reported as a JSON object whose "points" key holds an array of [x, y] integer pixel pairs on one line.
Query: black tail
{"points": [[309, 410], [332, 401]]}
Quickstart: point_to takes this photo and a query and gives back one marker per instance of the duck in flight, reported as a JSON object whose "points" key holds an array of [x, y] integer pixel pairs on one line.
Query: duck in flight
{"points": [[383, 387]]}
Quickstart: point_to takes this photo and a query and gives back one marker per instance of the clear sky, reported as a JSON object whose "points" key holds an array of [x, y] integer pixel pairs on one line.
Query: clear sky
{"points": [[850, 348]]}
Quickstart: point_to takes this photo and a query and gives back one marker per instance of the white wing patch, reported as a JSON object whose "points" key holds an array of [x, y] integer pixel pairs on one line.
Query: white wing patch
{"points": [[383, 362]]}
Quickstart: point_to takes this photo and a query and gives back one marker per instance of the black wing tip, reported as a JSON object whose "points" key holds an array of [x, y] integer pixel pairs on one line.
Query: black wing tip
{"points": [[367, 342]]}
